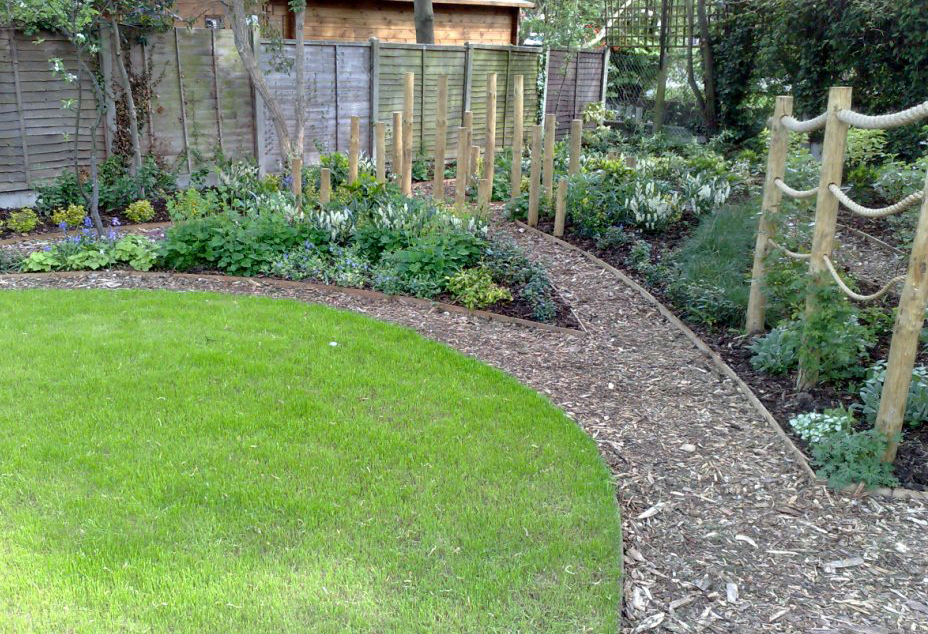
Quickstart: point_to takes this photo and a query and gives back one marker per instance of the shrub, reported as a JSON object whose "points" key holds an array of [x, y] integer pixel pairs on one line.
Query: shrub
{"points": [[10, 260], [777, 352], [814, 427], [70, 217], [191, 204], [474, 288], [22, 221], [846, 458], [510, 267], [834, 342], [916, 405], [612, 238], [90, 253], [59, 193], [140, 211], [436, 256]]}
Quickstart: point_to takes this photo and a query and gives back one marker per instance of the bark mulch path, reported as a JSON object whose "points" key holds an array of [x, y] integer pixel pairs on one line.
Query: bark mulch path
{"points": [[722, 531]]}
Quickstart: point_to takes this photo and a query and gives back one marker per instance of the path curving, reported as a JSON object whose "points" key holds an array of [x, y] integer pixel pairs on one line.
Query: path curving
{"points": [[723, 532]]}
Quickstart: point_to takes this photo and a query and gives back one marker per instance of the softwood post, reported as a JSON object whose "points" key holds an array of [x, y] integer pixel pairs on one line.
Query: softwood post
{"points": [[826, 215], [397, 166], [560, 210], [375, 83], [441, 131], [534, 176], [576, 136], [469, 126], [776, 168], [517, 134], [20, 110], [483, 193], [489, 155], [474, 161], [380, 145], [354, 148], [902, 350], [408, 99], [325, 186], [548, 175], [463, 162]]}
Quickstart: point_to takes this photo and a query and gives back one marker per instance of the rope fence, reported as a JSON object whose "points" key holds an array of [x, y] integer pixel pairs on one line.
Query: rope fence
{"points": [[810, 125], [794, 193], [860, 298], [792, 254], [878, 212], [884, 121]]}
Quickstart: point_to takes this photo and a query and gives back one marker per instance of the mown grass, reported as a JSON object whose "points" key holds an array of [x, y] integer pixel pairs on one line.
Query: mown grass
{"points": [[204, 463]]}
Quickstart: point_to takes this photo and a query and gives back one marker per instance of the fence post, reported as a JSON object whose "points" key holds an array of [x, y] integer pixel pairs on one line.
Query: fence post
{"points": [[576, 137], [547, 181], [258, 105], [826, 215], [560, 209], [605, 84], [24, 144], [380, 151], [776, 168], [397, 166], [468, 77], [354, 147], [534, 174], [441, 131], [375, 89], [183, 104], [409, 96], [106, 69], [463, 161], [904, 345], [325, 185], [489, 155], [517, 133]]}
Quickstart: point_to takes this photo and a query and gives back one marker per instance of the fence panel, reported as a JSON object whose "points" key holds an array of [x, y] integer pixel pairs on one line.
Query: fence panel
{"points": [[575, 78]]}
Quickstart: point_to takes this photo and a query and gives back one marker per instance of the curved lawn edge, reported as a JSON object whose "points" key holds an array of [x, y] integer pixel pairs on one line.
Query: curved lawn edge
{"points": [[327, 288], [569, 426], [728, 372]]}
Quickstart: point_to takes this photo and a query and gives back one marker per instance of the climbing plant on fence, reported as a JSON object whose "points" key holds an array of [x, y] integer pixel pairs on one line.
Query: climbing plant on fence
{"points": [[836, 120]]}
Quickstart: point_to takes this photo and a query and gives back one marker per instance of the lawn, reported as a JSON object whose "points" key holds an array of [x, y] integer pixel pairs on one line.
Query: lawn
{"points": [[205, 463]]}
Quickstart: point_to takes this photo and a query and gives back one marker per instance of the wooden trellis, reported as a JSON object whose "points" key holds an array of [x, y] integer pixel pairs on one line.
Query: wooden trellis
{"points": [[656, 24]]}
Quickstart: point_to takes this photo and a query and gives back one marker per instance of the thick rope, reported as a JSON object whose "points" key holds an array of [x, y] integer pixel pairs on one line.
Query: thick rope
{"points": [[792, 254], [857, 296], [810, 125], [884, 121], [794, 193], [879, 212]]}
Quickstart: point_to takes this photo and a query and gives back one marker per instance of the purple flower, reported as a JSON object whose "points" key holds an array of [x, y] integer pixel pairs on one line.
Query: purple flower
{"points": [[63, 226], [88, 222], [287, 181], [115, 222], [112, 235]]}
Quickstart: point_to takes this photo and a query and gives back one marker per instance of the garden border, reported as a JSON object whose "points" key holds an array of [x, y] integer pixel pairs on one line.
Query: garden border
{"points": [[727, 371], [324, 288], [41, 237]]}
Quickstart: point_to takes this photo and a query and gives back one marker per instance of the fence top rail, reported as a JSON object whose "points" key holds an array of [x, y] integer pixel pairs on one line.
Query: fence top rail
{"points": [[346, 43], [885, 121], [877, 212]]}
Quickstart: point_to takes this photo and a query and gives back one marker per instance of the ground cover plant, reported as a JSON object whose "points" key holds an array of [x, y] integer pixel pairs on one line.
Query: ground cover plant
{"points": [[251, 465]]}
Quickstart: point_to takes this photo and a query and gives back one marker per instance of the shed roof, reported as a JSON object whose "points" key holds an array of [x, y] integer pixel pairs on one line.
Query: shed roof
{"points": [[522, 4]]}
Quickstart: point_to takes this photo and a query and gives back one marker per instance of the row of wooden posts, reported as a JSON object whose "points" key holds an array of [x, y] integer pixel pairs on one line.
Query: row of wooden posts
{"points": [[541, 180]]}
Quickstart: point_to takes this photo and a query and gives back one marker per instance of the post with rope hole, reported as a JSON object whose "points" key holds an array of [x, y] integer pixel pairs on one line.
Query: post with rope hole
{"points": [[489, 155], [325, 186], [826, 216], [408, 99], [904, 345], [560, 209], [547, 181], [354, 148], [534, 176], [441, 131], [776, 168], [517, 134], [380, 145], [397, 166], [576, 137], [463, 162]]}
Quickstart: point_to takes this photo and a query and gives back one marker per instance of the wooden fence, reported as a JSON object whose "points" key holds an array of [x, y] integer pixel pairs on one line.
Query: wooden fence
{"points": [[202, 103]]}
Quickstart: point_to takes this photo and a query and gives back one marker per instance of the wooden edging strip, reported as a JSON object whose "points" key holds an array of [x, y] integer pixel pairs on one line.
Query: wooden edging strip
{"points": [[324, 288], [726, 370]]}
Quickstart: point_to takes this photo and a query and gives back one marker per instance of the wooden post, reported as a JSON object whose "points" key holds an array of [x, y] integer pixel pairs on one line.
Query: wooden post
{"points": [[375, 87], [474, 160], [463, 162], [216, 89], [909, 321], [11, 36], [776, 168], [380, 150], [183, 105], [576, 136], [483, 194], [659, 99], [534, 175], [560, 210], [354, 148], [257, 105], [468, 79], [826, 215], [517, 134], [469, 126], [548, 174], [408, 97], [106, 70], [397, 166], [441, 131], [489, 155], [325, 187]]}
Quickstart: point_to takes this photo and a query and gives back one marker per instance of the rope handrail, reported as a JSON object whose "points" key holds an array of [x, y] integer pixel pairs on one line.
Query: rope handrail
{"points": [[809, 125], [792, 254], [884, 121], [861, 298], [878, 212], [794, 193]]}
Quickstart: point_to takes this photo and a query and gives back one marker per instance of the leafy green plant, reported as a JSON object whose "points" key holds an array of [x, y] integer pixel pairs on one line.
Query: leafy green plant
{"points": [[511, 267], [10, 260], [474, 288], [813, 427], [848, 458], [140, 211], [191, 204], [22, 221], [136, 251], [70, 216], [916, 404], [834, 342], [42, 261], [59, 193], [777, 352], [420, 169]]}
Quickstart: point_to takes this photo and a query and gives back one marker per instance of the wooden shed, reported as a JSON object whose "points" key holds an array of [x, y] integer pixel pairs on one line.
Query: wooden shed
{"points": [[456, 21]]}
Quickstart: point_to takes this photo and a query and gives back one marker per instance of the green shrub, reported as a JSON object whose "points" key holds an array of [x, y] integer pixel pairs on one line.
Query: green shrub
{"points": [[59, 193], [916, 405], [140, 211], [847, 458], [511, 267], [90, 253], [10, 260], [814, 427], [191, 204], [22, 221], [474, 288], [777, 352], [71, 216], [436, 256], [834, 342]]}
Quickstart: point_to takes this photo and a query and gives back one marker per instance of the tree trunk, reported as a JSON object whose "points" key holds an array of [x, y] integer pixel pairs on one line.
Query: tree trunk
{"points": [[136, 163], [690, 73], [425, 21], [299, 107], [708, 67]]}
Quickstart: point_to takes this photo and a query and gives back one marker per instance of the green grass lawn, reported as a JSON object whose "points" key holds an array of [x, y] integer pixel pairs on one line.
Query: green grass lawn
{"points": [[204, 463]]}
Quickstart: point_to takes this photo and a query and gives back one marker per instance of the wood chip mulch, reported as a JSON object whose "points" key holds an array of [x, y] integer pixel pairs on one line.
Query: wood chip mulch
{"points": [[723, 533]]}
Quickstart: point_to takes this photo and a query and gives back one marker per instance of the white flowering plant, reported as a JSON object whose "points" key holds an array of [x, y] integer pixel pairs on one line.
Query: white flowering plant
{"points": [[814, 427]]}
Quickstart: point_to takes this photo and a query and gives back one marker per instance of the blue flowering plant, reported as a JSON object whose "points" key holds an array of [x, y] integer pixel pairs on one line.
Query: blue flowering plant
{"points": [[84, 250]]}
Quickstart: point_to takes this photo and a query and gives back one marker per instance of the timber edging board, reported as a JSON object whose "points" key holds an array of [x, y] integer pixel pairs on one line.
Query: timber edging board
{"points": [[729, 373]]}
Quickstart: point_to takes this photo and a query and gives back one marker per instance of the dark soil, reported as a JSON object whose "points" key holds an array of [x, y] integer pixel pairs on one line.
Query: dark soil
{"points": [[777, 393], [47, 226]]}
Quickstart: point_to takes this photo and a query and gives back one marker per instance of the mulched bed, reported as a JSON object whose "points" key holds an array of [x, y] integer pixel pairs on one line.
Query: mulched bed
{"points": [[46, 225]]}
